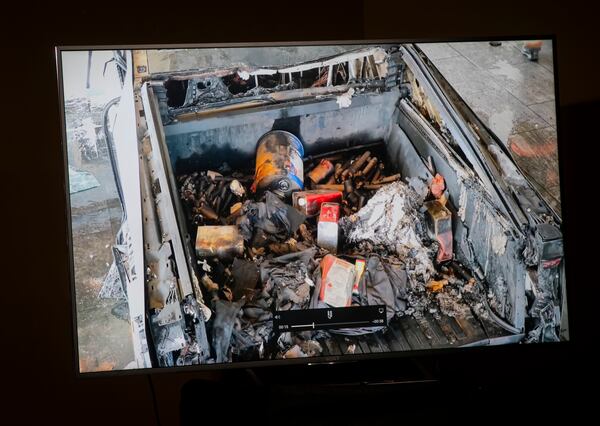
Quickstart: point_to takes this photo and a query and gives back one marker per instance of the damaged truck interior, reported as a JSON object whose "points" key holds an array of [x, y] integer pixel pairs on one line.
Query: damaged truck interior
{"points": [[346, 205]]}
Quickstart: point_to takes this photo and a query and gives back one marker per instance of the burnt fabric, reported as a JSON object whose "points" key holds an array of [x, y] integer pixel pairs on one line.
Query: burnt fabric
{"points": [[285, 284], [245, 277], [287, 279], [226, 313], [386, 285], [269, 221]]}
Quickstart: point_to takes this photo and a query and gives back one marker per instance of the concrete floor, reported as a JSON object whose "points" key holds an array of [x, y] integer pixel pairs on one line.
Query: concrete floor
{"points": [[164, 60], [104, 341], [513, 96]]}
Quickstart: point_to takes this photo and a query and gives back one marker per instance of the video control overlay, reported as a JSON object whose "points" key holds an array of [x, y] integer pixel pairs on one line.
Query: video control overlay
{"points": [[318, 319]]}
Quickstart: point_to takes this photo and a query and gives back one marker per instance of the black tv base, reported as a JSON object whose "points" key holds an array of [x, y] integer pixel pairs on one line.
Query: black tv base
{"points": [[319, 393], [458, 384]]}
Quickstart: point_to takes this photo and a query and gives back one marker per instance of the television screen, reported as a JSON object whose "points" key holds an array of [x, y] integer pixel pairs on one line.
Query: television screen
{"points": [[254, 205]]}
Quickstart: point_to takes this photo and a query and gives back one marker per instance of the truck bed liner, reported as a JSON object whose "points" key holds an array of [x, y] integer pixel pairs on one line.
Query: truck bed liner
{"points": [[408, 334]]}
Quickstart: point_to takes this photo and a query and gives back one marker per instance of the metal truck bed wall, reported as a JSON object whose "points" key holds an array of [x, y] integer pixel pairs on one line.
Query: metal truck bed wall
{"points": [[482, 239], [320, 125]]}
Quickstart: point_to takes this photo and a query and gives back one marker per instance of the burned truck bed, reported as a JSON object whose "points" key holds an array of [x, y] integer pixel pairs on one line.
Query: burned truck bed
{"points": [[427, 321], [443, 249]]}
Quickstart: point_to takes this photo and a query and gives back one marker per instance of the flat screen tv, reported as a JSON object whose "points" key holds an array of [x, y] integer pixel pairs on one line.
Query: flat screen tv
{"points": [[246, 205]]}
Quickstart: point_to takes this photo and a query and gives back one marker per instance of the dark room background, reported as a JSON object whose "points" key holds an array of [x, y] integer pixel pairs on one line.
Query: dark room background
{"points": [[37, 329]]}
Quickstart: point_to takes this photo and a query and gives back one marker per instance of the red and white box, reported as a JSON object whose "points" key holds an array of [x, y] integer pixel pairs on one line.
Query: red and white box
{"points": [[309, 202], [337, 278]]}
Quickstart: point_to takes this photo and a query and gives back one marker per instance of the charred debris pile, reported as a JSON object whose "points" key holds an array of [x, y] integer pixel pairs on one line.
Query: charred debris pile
{"points": [[338, 229]]}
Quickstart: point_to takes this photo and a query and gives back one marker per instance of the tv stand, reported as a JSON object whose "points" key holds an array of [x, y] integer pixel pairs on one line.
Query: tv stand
{"points": [[446, 385], [329, 391]]}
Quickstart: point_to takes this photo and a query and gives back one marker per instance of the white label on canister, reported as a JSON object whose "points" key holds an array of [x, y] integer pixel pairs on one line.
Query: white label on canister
{"points": [[296, 162], [327, 235]]}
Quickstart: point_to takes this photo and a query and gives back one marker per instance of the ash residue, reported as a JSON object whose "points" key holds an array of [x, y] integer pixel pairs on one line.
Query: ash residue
{"points": [[392, 224], [392, 219], [450, 303]]}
